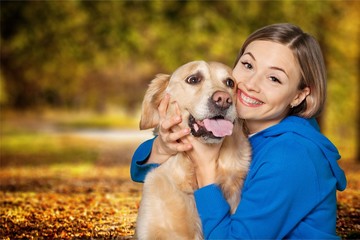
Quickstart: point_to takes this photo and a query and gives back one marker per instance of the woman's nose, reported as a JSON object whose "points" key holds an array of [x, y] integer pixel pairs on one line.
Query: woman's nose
{"points": [[251, 83]]}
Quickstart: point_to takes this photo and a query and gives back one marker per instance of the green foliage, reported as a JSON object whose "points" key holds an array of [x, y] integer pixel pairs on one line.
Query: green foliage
{"points": [[85, 54], [24, 148], [88, 54], [97, 121]]}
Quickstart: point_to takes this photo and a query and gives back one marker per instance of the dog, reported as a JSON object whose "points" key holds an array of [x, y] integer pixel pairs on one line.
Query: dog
{"points": [[205, 94]]}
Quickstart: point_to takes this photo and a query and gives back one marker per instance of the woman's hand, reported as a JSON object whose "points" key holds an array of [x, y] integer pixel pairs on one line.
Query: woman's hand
{"points": [[173, 139], [204, 157], [169, 141]]}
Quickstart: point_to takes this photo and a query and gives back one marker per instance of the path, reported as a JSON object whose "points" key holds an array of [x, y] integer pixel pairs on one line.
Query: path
{"points": [[113, 135]]}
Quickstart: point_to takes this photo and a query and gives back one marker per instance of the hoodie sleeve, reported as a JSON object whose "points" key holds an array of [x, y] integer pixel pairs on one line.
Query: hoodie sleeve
{"points": [[280, 190], [139, 168]]}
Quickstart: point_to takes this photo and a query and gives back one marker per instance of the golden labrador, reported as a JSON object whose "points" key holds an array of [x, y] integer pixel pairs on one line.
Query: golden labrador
{"points": [[205, 94]]}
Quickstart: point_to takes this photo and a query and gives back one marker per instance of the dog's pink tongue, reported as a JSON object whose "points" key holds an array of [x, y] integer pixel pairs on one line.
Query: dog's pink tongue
{"points": [[219, 127]]}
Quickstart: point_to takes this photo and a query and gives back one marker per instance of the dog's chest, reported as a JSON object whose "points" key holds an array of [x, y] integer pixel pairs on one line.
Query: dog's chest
{"points": [[178, 172]]}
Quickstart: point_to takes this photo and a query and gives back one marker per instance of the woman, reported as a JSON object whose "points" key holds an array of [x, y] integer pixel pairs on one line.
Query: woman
{"points": [[290, 190]]}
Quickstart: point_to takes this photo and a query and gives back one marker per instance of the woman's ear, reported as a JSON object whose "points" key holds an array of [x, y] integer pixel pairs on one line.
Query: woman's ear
{"points": [[300, 96]]}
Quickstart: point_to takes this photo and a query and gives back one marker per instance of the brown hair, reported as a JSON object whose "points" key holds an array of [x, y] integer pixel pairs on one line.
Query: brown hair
{"points": [[307, 51]]}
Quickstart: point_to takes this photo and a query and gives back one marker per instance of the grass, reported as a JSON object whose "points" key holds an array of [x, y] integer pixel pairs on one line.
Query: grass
{"points": [[35, 149], [103, 121]]}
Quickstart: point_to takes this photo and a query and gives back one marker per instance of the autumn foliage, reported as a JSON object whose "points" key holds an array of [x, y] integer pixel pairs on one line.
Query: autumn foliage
{"points": [[40, 202], [100, 201], [64, 186]]}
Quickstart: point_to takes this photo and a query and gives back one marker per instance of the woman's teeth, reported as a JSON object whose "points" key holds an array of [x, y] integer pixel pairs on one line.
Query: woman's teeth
{"points": [[249, 100]]}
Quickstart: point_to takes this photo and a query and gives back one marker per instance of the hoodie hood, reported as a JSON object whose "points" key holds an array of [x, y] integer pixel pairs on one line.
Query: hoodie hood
{"points": [[309, 129]]}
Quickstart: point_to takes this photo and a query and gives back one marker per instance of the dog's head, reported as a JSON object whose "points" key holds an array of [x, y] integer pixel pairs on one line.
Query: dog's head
{"points": [[205, 94]]}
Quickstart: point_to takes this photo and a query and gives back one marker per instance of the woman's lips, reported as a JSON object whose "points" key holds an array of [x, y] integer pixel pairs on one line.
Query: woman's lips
{"points": [[248, 101]]}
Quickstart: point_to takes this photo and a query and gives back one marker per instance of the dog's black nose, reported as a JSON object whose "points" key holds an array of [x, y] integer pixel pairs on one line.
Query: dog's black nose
{"points": [[222, 99]]}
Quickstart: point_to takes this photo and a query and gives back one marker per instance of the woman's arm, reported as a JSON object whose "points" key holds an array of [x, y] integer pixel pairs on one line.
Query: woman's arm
{"points": [[139, 165], [276, 196]]}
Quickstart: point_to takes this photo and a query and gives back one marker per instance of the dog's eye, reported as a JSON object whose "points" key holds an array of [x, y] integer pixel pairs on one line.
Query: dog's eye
{"points": [[230, 83], [193, 79]]}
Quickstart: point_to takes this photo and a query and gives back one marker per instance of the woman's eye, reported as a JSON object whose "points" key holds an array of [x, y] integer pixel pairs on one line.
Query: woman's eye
{"points": [[247, 65], [230, 83], [193, 79], [274, 79]]}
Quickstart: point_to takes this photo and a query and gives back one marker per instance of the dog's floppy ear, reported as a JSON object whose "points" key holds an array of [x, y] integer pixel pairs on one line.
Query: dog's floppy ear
{"points": [[153, 96]]}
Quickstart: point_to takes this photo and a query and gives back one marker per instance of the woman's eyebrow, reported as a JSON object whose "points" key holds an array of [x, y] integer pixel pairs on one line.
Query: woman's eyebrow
{"points": [[279, 69], [250, 54], [272, 67]]}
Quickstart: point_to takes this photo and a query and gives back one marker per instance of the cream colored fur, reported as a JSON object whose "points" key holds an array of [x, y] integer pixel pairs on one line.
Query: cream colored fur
{"points": [[167, 209]]}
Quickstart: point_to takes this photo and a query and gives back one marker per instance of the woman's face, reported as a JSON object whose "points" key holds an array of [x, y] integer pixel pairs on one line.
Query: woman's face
{"points": [[268, 77]]}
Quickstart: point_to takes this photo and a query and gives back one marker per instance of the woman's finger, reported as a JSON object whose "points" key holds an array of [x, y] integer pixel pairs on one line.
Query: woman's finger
{"points": [[177, 135], [167, 124], [183, 147], [178, 146], [177, 109], [170, 132]]}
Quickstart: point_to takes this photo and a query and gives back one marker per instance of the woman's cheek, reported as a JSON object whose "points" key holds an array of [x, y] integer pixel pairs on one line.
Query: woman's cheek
{"points": [[238, 106]]}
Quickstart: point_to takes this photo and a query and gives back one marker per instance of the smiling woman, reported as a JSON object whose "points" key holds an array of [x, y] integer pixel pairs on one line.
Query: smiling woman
{"points": [[281, 82], [267, 84], [311, 66]]}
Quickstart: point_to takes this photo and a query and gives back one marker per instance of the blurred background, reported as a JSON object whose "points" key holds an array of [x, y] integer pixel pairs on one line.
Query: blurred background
{"points": [[73, 75], [98, 56]]}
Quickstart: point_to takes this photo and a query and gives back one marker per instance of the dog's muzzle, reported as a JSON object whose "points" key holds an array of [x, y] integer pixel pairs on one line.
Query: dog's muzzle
{"points": [[216, 127]]}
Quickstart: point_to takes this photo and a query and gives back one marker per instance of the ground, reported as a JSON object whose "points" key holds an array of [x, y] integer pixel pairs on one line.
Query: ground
{"points": [[68, 190], [348, 219]]}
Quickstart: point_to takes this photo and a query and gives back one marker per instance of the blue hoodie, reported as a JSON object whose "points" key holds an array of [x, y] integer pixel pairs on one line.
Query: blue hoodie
{"points": [[289, 192]]}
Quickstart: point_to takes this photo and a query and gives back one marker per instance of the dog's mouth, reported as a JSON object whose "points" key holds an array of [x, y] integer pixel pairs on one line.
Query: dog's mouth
{"points": [[216, 127]]}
